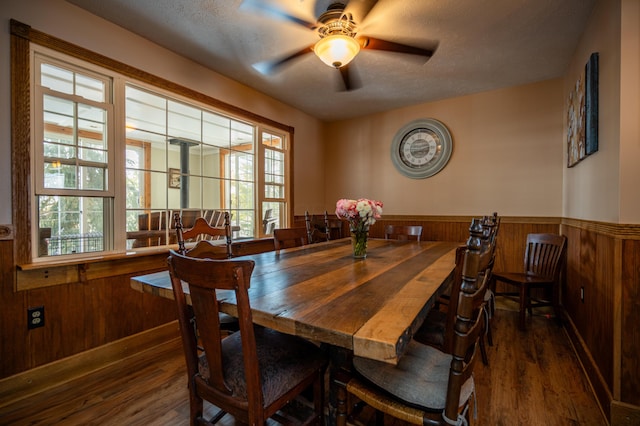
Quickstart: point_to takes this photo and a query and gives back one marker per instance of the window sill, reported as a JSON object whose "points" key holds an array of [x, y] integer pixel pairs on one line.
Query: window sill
{"points": [[55, 272]]}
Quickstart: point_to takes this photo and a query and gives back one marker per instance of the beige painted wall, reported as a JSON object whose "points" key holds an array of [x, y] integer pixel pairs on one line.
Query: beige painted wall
{"points": [[630, 113], [72, 24], [592, 189], [604, 186], [507, 156]]}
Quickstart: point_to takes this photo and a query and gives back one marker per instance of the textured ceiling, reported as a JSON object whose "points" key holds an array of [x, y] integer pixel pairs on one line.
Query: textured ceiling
{"points": [[481, 45]]}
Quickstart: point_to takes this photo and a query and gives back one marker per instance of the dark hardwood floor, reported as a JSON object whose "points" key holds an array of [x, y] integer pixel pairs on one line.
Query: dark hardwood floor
{"points": [[533, 378]]}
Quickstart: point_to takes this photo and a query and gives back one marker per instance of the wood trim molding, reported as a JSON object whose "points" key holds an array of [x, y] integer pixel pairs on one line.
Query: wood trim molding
{"points": [[617, 319], [589, 366], [466, 219], [453, 219], [38, 275], [615, 230], [30, 382], [20, 142]]}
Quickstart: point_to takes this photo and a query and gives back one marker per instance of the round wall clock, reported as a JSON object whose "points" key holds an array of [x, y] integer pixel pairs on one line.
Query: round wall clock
{"points": [[421, 148]]}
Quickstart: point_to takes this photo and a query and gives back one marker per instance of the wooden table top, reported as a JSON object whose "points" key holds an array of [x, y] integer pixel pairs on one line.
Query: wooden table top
{"points": [[320, 292]]}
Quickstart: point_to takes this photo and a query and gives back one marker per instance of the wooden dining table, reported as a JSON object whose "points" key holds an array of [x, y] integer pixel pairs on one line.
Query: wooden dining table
{"points": [[364, 307], [320, 292]]}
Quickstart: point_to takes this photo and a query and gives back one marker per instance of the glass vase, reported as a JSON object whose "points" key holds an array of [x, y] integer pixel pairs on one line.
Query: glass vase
{"points": [[359, 243]]}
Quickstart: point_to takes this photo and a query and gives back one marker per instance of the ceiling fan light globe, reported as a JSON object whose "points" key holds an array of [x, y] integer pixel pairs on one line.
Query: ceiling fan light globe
{"points": [[336, 50]]}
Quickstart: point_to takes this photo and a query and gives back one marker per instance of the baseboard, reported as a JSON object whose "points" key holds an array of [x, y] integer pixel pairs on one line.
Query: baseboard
{"points": [[623, 414], [30, 382], [598, 384]]}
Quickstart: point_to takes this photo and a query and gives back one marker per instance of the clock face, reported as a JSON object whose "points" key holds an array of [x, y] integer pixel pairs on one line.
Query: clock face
{"points": [[421, 148]]}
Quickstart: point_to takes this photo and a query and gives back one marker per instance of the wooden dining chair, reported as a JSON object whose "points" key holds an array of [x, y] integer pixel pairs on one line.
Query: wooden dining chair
{"points": [[203, 234], [429, 386], [315, 235], [543, 261], [491, 225], [438, 327], [289, 237], [403, 232], [437, 330], [251, 374]]}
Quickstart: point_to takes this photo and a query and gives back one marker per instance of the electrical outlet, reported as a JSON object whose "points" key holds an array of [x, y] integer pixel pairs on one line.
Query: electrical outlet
{"points": [[35, 317], [582, 294]]}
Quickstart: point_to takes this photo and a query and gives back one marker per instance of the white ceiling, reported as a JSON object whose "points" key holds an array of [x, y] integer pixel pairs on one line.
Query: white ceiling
{"points": [[481, 45]]}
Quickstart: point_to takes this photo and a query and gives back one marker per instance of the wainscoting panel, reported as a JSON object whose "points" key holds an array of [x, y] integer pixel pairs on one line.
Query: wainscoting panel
{"points": [[630, 324], [601, 298], [78, 316]]}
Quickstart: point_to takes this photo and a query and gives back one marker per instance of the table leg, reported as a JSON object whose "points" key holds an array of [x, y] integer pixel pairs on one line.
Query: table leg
{"points": [[338, 388], [339, 375]]}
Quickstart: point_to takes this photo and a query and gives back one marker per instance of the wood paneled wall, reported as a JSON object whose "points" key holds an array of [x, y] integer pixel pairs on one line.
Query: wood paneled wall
{"points": [[603, 260], [511, 239], [630, 323], [78, 316]]}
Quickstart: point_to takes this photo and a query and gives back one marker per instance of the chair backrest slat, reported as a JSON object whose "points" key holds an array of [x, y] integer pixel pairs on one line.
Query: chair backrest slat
{"points": [[202, 228], [543, 254]]}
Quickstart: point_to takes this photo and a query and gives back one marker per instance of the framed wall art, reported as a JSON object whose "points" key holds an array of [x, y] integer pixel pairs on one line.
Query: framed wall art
{"points": [[591, 105], [174, 178], [582, 114]]}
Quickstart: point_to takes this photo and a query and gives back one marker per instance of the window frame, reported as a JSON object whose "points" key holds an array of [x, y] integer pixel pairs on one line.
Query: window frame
{"points": [[286, 216], [42, 56], [22, 36]]}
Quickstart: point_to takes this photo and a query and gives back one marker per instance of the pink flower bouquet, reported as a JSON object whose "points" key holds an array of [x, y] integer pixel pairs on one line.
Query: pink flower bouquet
{"points": [[360, 214]]}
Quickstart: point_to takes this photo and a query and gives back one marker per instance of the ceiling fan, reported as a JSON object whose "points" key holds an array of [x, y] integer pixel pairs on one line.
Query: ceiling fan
{"points": [[339, 41]]}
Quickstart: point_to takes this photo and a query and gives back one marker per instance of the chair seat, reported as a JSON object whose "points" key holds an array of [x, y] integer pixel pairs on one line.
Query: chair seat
{"points": [[284, 361], [420, 378]]}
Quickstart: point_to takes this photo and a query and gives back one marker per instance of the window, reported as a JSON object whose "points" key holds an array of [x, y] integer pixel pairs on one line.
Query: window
{"points": [[275, 166], [115, 152], [196, 161], [74, 154]]}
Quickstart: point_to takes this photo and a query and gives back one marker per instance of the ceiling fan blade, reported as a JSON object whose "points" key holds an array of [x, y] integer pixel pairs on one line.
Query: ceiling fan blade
{"points": [[390, 46], [359, 9], [350, 79], [276, 12], [268, 67]]}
